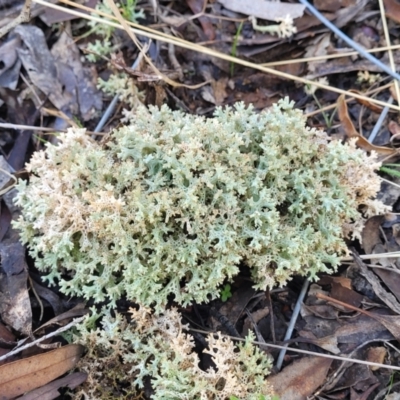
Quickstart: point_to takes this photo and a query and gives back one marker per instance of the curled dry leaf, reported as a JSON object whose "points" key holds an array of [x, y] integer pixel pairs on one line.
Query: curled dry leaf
{"points": [[371, 106], [30, 373], [351, 131]]}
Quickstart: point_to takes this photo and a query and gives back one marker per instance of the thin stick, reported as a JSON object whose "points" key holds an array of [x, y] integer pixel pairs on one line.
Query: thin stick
{"points": [[6, 125], [34, 343], [292, 322], [390, 53], [393, 254]]}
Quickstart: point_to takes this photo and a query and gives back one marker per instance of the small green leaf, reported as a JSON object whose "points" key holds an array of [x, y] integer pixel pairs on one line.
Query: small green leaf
{"points": [[390, 171], [392, 165], [226, 292]]}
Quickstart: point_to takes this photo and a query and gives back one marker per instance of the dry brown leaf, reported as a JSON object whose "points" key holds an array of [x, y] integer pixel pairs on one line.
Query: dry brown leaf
{"points": [[356, 331], [370, 234], [346, 295], [328, 343], [329, 280], [351, 131], [321, 310], [40, 64], [392, 10], [394, 128], [376, 355], [30, 373], [50, 391], [361, 329], [301, 378], [390, 322], [371, 106], [357, 376]]}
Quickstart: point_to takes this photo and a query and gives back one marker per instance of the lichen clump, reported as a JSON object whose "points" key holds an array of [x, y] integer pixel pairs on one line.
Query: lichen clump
{"points": [[154, 349], [173, 203]]}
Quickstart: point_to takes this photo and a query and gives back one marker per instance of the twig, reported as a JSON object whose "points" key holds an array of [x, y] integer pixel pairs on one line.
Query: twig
{"points": [[24, 16], [292, 322], [393, 254], [34, 343], [379, 123], [6, 125], [385, 111], [387, 39]]}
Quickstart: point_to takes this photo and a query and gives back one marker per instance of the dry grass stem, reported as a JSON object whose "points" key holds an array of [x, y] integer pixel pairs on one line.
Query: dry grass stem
{"points": [[387, 39]]}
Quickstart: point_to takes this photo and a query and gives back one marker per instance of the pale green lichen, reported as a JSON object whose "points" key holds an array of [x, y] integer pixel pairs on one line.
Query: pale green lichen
{"points": [[124, 87], [172, 204], [123, 356], [104, 47]]}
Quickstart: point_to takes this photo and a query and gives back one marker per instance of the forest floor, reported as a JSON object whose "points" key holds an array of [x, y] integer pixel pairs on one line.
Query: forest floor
{"points": [[195, 56]]}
